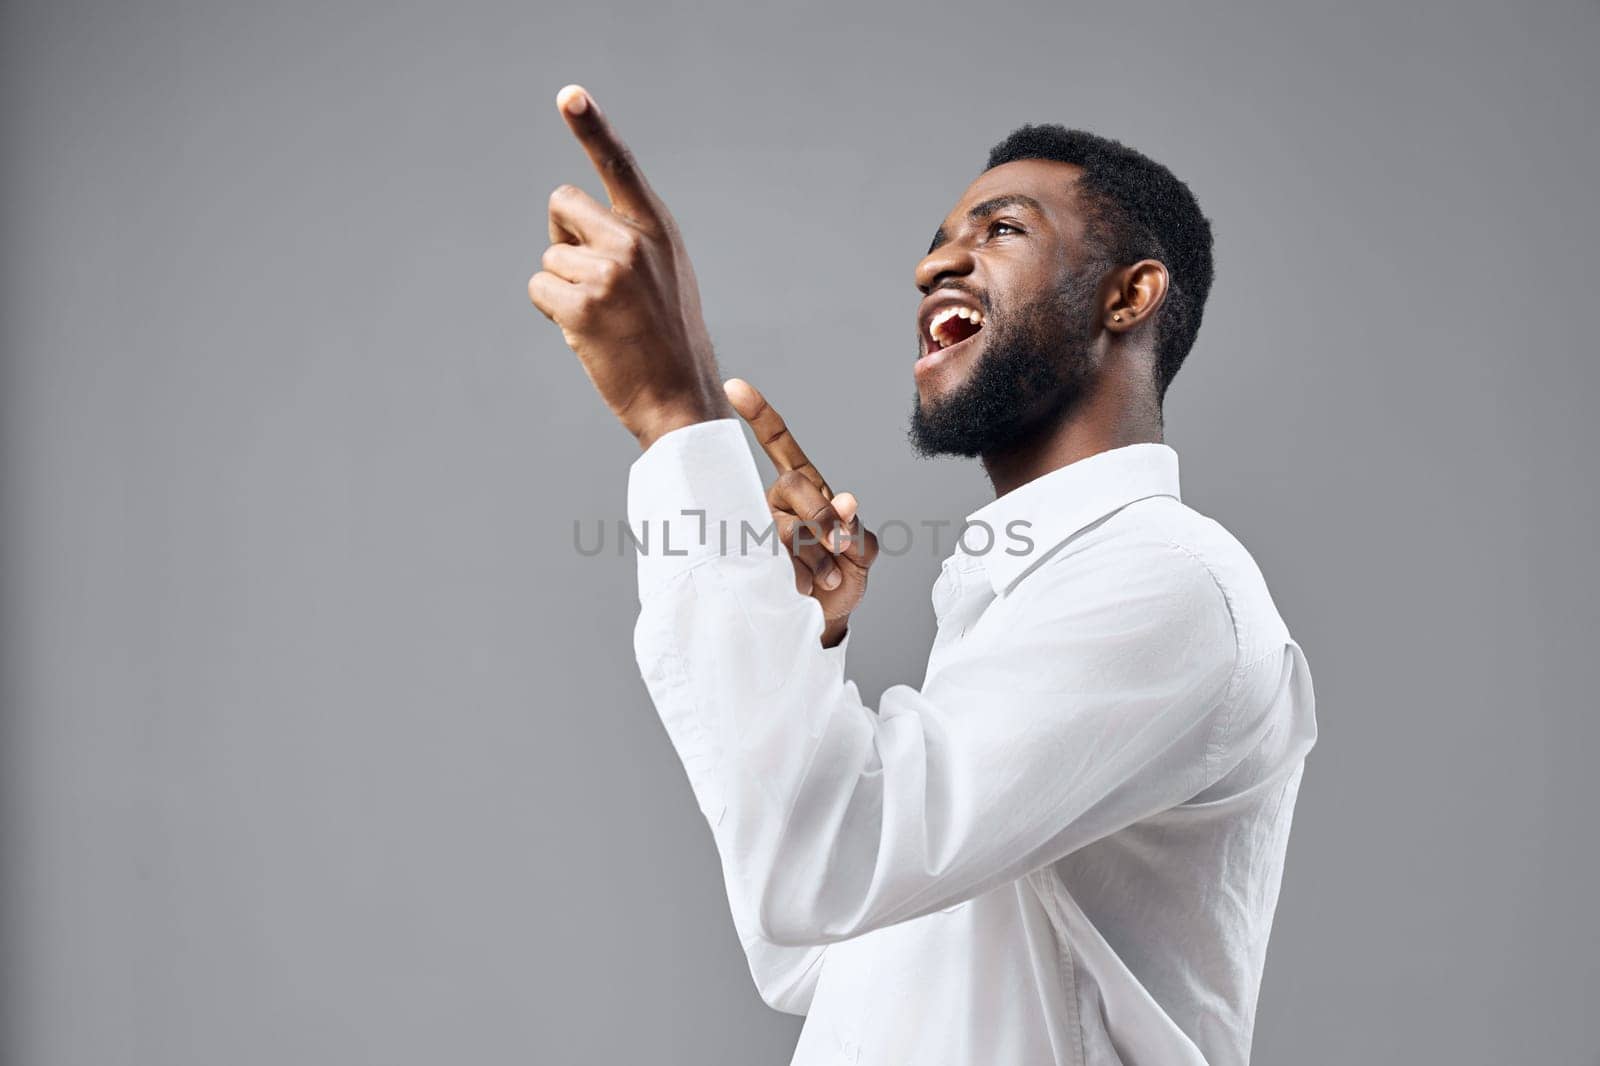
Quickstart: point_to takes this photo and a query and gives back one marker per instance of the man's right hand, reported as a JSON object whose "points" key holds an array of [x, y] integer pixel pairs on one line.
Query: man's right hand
{"points": [[829, 547]]}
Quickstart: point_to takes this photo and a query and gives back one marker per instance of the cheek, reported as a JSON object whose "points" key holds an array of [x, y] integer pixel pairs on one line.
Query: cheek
{"points": [[1053, 300], [1013, 287], [1026, 271]]}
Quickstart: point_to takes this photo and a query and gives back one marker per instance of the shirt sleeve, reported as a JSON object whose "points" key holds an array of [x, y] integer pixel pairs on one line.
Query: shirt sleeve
{"points": [[832, 819]]}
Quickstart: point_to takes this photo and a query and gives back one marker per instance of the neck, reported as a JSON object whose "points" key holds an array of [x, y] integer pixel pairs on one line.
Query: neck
{"points": [[1119, 410]]}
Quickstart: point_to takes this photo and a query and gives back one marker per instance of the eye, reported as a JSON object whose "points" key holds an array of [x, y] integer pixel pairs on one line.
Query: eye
{"points": [[995, 228]]}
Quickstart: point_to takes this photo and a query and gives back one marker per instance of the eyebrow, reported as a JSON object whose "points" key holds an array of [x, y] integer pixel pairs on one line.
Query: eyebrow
{"points": [[989, 207]]}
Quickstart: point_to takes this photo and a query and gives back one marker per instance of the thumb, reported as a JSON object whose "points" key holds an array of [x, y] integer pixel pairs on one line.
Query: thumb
{"points": [[859, 545]]}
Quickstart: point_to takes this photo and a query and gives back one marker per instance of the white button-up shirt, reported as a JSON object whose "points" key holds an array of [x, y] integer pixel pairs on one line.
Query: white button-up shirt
{"points": [[1065, 846]]}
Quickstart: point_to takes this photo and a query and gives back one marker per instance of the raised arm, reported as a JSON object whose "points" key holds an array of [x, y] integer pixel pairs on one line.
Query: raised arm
{"points": [[618, 282]]}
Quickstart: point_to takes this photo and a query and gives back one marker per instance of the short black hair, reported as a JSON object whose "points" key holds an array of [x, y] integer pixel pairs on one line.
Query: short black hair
{"points": [[1137, 210]]}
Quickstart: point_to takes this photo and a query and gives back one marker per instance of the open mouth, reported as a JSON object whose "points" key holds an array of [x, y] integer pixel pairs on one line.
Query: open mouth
{"points": [[946, 335], [951, 326]]}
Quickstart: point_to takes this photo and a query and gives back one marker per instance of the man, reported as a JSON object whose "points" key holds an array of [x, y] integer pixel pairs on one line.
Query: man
{"points": [[1066, 846]]}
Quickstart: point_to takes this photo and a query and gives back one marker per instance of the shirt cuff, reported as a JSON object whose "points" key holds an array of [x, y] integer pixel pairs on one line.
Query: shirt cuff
{"points": [[691, 497]]}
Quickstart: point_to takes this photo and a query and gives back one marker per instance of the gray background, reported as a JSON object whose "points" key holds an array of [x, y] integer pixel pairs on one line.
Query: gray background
{"points": [[322, 745]]}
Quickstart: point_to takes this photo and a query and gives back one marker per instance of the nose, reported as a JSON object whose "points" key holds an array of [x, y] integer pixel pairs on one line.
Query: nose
{"points": [[950, 259]]}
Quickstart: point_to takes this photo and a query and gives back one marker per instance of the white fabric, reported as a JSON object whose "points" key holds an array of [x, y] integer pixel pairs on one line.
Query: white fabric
{"points": [[1065, 847]]}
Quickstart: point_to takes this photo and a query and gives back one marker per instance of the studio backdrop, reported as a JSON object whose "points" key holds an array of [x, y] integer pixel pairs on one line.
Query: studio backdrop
{"points": [[323, 740]]}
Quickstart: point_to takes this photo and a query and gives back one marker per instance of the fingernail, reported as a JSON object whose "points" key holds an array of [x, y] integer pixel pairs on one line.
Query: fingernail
{"points": [[573, 100], [830, 580]]}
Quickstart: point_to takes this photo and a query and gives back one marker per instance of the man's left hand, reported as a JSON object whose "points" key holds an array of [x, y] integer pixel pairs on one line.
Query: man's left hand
{"points": [[618, 282]]}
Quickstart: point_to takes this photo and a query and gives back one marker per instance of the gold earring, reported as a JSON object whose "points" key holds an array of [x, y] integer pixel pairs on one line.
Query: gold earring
{"points": [[1116, 318]]}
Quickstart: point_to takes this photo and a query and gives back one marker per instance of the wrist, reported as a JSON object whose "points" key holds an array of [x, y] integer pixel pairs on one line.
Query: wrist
{"points": [[834, 631], [659, 419]]}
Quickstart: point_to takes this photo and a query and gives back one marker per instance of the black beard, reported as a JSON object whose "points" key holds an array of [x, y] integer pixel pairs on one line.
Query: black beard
{"points": [[1035, 368]]}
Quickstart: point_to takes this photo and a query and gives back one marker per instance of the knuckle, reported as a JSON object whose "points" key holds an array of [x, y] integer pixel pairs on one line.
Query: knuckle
{"points": [[822, 512], [608, 272], [633, 249], [621, 162], [535, 294]]}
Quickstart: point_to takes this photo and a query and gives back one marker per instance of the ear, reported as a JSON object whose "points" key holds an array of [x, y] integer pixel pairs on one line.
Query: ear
{"points": [[1135, 294]]}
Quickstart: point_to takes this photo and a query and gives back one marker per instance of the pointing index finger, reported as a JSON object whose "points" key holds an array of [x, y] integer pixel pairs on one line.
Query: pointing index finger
{"points": [[773, 433], [620, 172]]}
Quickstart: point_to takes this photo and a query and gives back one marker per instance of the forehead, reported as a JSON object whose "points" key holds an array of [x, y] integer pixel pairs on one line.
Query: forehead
{"points": [[1050, 183]]}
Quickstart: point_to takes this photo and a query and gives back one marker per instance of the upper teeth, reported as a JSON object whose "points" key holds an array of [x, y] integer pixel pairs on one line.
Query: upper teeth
{"points": [[945, 315]]}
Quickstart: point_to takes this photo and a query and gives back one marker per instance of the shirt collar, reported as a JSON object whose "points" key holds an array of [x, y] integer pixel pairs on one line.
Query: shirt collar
{"points": [[1052, 508]]}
